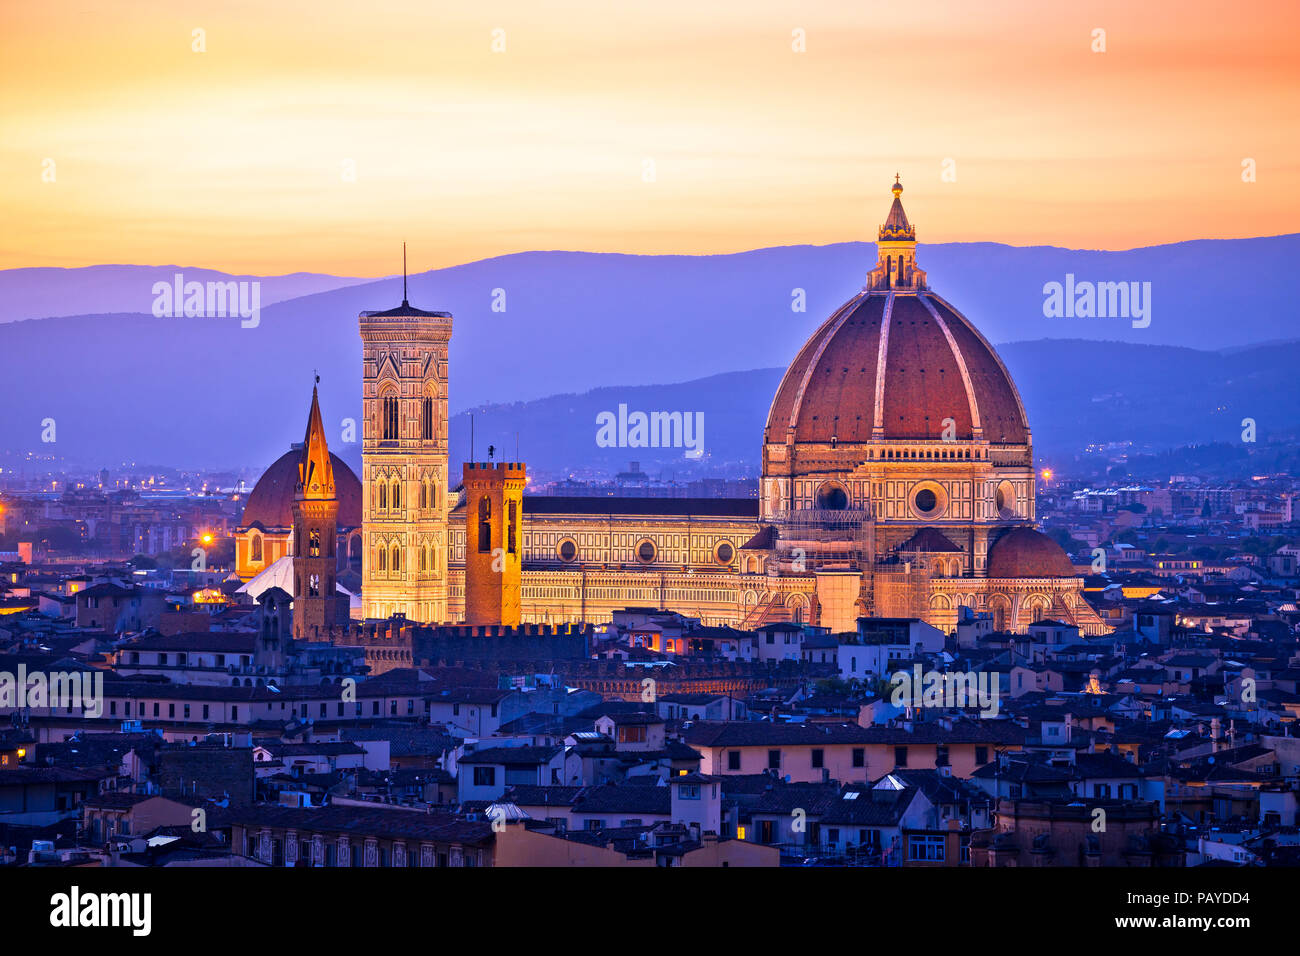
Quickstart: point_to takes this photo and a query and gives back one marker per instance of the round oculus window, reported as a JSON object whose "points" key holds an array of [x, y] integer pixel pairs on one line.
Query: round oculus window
{"points": [[725, 553], [568, 551], [926, 500], [645, 552]]}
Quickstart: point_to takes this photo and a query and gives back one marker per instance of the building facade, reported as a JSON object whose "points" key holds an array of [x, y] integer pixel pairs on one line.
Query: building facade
{"points": [[404, 462]]}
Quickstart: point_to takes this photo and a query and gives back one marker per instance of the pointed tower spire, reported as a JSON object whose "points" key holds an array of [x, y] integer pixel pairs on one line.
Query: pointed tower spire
{"points": [[896, 250], [315, 469]]}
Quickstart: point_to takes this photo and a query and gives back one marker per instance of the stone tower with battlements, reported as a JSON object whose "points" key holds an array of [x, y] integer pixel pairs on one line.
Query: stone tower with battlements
{"points": [[494, 507]]}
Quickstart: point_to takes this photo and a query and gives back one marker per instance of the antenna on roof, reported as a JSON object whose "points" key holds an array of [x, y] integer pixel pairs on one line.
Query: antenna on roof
{"points": [[404, 302]]}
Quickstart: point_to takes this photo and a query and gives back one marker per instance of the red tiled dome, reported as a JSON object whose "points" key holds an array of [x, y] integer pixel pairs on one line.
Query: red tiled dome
{"points": [[1026, 553], [271, 500], [930, 365]]}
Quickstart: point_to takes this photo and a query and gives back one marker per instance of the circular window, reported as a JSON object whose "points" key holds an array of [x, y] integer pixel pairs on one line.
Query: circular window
{"points": [[725, 553], [1005, 499], [832, 498], [645, 552], [567, 550], [929, 500]]}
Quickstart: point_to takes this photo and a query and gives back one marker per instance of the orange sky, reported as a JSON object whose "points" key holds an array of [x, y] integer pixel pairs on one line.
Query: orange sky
{"points": [[233, 158]]}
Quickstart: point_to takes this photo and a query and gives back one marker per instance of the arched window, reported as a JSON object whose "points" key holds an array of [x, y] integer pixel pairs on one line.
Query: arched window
{"points": [[513, 521], [424, 495], [383, 495], [395, 558], [313, 543], [397, 494], [390, 422], [426, 419], [313, 585], [256, 548], [484, 524], [383, 558]]}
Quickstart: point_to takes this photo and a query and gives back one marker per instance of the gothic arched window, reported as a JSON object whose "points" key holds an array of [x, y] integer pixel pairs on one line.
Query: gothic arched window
{"points": [[256, 548], [484, 524], [390, 423]]}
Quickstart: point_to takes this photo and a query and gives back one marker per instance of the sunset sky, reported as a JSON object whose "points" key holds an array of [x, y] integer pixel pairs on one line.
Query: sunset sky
{"points": [[235, 158]]}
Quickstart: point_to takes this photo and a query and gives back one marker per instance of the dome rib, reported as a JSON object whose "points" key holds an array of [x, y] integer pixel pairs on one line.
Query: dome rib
{"points": [[1014, 429], [882, 366], [825, 336], [976, 430]]}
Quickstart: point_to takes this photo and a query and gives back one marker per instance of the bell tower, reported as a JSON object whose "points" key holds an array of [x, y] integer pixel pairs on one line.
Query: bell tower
{"points": [[315, 534], [404, 461]]}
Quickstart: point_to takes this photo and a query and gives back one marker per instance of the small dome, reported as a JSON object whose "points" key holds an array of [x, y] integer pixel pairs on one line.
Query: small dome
{"points": [[271, 501], [928, 541], [1026, 553]]}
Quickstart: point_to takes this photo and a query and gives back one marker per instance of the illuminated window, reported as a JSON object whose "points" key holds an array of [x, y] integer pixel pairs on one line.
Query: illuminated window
{"points": [[484, 525], [390, 429]]}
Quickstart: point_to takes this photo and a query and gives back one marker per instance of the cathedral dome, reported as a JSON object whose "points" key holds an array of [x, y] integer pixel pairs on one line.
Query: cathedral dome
{"points": [[270, 503], [1026, 553], [893, 363], [855, 381]]}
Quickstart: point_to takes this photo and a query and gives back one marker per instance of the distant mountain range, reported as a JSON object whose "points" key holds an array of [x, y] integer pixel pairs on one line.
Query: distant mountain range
{"points": [[1074, 391], [125, 386]]}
